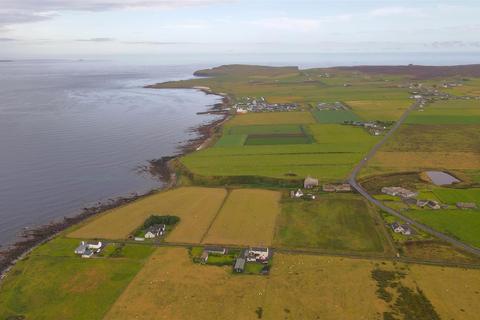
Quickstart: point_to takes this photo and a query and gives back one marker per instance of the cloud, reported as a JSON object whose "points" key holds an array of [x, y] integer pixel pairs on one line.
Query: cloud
{"points": [[455, 44], [395, 11], [24, 11], [285, 23], [97, 40], [7, 39]]}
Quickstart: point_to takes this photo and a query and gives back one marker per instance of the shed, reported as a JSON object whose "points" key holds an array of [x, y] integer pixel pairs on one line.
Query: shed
{"points": [[466, 205], [310, 183], [239, 265]]}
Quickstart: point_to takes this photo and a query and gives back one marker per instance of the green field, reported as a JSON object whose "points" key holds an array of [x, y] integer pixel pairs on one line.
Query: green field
{"points": [[334, 116], [333, 222], [256, 140], [53, 283], [265, 129], [461, 224], [452, 196], [448, 112], [231, 140]]}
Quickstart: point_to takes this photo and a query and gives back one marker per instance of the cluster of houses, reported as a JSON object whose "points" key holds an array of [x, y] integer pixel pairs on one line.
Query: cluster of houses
{"points": [[87, 250], [399, 192], [250, 255], [401, 228], [254, 254], [331, 106], [310, 183], [375, 128], [154, 231], [261, 105]]}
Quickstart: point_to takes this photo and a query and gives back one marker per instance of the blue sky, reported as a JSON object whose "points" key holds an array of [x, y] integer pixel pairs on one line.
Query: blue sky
{"points": [[41, 27]]}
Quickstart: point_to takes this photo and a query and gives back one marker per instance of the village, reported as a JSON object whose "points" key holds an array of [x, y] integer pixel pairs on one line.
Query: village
{"points": [[249, 104]]}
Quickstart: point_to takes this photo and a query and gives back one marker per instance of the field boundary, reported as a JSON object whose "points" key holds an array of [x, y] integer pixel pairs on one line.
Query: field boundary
{"points": [[215, 216]]}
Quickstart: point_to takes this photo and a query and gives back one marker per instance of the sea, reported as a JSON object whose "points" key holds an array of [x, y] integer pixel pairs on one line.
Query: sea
{"points": [[75, 131]]}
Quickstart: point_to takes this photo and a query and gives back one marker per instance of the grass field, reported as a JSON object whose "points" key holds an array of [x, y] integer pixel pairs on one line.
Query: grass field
{"points": [[327, 161], [334, 150], [298, 287], [195, 206], [380, 109], [334, 116], [334, 222], [170, 286], [247, 218], [54, 284], [462, 224], [265, 129], [277, 139], [271, 118], [448, 112], [231, 140], [452, 196]]}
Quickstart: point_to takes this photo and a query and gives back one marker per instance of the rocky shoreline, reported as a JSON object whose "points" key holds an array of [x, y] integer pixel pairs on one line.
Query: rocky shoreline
{"points": [[32, 237]]}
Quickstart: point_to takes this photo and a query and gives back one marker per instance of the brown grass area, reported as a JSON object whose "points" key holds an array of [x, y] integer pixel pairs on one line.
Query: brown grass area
{"points": [[285, 99], [170, 286], [272, 118], [300, 287], [437, 251], [247, 218], [318, 287], [195, 206], [454, 292], [419, 160], [379, 109]]}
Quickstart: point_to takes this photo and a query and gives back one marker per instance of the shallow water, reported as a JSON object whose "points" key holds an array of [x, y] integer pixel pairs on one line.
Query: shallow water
{"points": [[441, 178], [73, 133]]}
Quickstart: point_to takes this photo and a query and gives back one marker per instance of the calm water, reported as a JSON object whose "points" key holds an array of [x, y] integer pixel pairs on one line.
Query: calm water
{"points": [[73, 133]]}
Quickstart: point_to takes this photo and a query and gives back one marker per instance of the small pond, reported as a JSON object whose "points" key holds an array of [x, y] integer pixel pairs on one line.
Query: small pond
{"points": [[441, 178]]}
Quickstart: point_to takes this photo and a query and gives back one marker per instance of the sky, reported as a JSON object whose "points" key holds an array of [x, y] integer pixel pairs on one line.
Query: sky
{"points": [[30, 28]]}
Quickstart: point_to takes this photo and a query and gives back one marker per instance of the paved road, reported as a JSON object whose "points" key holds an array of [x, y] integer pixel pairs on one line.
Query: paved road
{"points": [[353, 182]]}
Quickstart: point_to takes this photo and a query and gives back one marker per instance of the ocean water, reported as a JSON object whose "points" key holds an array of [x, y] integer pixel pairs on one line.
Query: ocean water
{"points": [[75, 132]]}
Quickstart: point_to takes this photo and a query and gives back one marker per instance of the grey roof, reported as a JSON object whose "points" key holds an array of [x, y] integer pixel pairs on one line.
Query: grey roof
{"points": [[239, 264]]}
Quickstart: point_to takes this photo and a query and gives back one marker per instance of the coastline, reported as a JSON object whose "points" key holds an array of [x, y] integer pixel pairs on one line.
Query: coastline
{"points": [[161, 168]]}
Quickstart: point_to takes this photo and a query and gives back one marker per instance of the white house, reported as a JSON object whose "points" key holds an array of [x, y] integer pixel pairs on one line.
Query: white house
{"points": [[257, 254], [298, 194]]}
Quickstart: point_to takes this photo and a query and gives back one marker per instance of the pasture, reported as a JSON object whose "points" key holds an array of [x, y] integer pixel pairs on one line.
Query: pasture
{"points": [[452, 196], [454, 292], [370, 109], [343, 222], [327, 161], [269, 118], [247, 218], [170, 286], [334, 116], [459, 112], [52, 283], [461, 224], [195, 206]]}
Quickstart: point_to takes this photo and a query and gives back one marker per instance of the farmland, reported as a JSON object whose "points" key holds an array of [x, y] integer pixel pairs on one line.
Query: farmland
{"points": [[457, 112], [247, 218], [54, 284], [271, 118], [195, 206], [334, 116], [379, 109], [299, 287], [462, 224], [170, 282], [334, 222]]}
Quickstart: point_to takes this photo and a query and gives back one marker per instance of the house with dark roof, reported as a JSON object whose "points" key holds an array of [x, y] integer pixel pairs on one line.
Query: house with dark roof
{"points": [[154, 231]]}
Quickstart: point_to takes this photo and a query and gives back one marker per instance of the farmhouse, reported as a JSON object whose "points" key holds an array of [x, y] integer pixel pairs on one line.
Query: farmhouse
{"points": [[298, 194], [310, 183], [403, 229], [257, 254], [399, 192], [466, 205], [86, 250], [239, 265], [154, 231]]}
